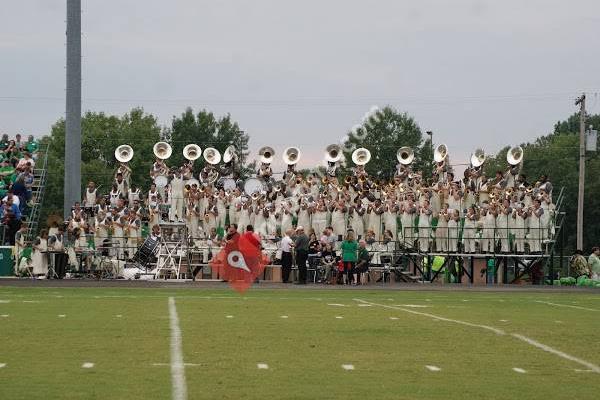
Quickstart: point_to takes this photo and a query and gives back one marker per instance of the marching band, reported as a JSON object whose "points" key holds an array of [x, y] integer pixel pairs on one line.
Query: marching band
{"points": [[436, 213]]}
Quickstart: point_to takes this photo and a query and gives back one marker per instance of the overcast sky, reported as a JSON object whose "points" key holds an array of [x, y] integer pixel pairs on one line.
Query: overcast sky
{"points": [[476, 73]]}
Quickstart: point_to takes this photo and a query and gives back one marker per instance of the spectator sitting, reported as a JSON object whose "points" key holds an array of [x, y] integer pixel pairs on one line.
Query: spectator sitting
{"points": [[579, 265], [26, 161], [328, 261], [370, 236], [32, 145], [9, 205], [18, 142], [4, 142], [362, 266], [314, 249]]}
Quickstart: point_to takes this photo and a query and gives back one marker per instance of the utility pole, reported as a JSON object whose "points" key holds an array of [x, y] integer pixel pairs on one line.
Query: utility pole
{"points": [[581, 103], [72, 191]]}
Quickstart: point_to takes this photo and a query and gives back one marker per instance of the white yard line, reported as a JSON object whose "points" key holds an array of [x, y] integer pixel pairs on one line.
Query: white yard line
{"points": [[433, 368], [567, 305], [435, 317], [589, 365], [532, 342], [348, 367], [179, 390], [262, 366], [87, 365], [519, 370]]}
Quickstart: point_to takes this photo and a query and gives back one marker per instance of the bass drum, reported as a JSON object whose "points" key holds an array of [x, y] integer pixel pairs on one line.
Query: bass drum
{"points": [[253, 185], [226, 184], [161, 181]]}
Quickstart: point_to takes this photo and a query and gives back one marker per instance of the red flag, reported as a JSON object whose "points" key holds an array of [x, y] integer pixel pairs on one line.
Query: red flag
{"points": [[240, 262]]}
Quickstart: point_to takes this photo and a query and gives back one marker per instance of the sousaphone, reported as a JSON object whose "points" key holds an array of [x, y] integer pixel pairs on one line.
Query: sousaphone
{"points": [[514, 155], [124, 153], [212, 155], [361, 156], [266, 154], [333, 153], [440, 153], [229, 154], [162, 150], [291, 155], [192, 152], [478, 158], [405, 155]]}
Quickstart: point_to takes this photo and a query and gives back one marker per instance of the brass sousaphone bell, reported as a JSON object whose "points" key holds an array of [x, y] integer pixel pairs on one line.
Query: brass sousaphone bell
{"points": [[192, 152], [212, 155], [229, 154], [162, 150], [124, 153], [266, 154], [514, 155], [333, 153], [361, 156], [440, 153], [478, 158], [291, 155], [405, 155]]}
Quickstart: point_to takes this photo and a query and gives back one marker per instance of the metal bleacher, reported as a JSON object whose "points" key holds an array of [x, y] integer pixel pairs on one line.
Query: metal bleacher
{"points": [[32, 215], [37, 194]]}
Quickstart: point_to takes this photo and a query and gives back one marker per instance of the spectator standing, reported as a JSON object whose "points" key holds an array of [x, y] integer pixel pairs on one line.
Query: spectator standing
{"points": [[286, 255], [301, 244], [39, 258], [349, 249], [594, 262]]}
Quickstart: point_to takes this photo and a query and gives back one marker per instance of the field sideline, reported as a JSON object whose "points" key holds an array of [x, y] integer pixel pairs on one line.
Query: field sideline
{"points": [[127, 343]]}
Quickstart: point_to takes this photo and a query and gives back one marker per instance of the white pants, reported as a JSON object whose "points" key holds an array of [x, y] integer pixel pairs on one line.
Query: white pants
{"points": [[176, 208]]}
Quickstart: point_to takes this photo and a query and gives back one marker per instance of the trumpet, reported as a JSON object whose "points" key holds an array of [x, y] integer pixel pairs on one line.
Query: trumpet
{"points": [[255, 196]]}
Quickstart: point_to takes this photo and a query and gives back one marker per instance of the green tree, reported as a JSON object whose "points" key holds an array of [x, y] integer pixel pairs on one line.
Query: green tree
{"points": [[101, 135], [383, 133], [205, 130]]}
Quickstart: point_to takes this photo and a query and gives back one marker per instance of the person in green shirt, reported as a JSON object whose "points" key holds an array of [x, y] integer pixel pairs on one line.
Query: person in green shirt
{"points": [[349, 248], [32, 145], [594, 262]]}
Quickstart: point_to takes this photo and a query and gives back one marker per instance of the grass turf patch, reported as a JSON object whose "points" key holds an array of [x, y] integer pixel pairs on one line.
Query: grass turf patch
{"points": [[305, 352]]}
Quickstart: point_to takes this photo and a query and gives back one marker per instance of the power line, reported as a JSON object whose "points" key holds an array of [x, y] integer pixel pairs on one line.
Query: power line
{"points": [[312, 100]]}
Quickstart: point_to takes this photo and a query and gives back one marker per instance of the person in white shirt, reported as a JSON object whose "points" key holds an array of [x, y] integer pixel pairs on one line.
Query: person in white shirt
{"points": [[286, 255]]}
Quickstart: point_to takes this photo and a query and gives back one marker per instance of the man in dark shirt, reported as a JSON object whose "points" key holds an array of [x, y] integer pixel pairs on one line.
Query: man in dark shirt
{"points": [[301, 244], [362, 265]]}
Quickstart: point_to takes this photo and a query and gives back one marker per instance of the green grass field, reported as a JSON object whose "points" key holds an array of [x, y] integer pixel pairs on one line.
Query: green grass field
{"points": [[389, 337]]}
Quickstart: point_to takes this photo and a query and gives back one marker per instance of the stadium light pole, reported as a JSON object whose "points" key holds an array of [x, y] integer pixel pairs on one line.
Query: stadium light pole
{"points": [[581, 103], [72, 190], [431, 168]]}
